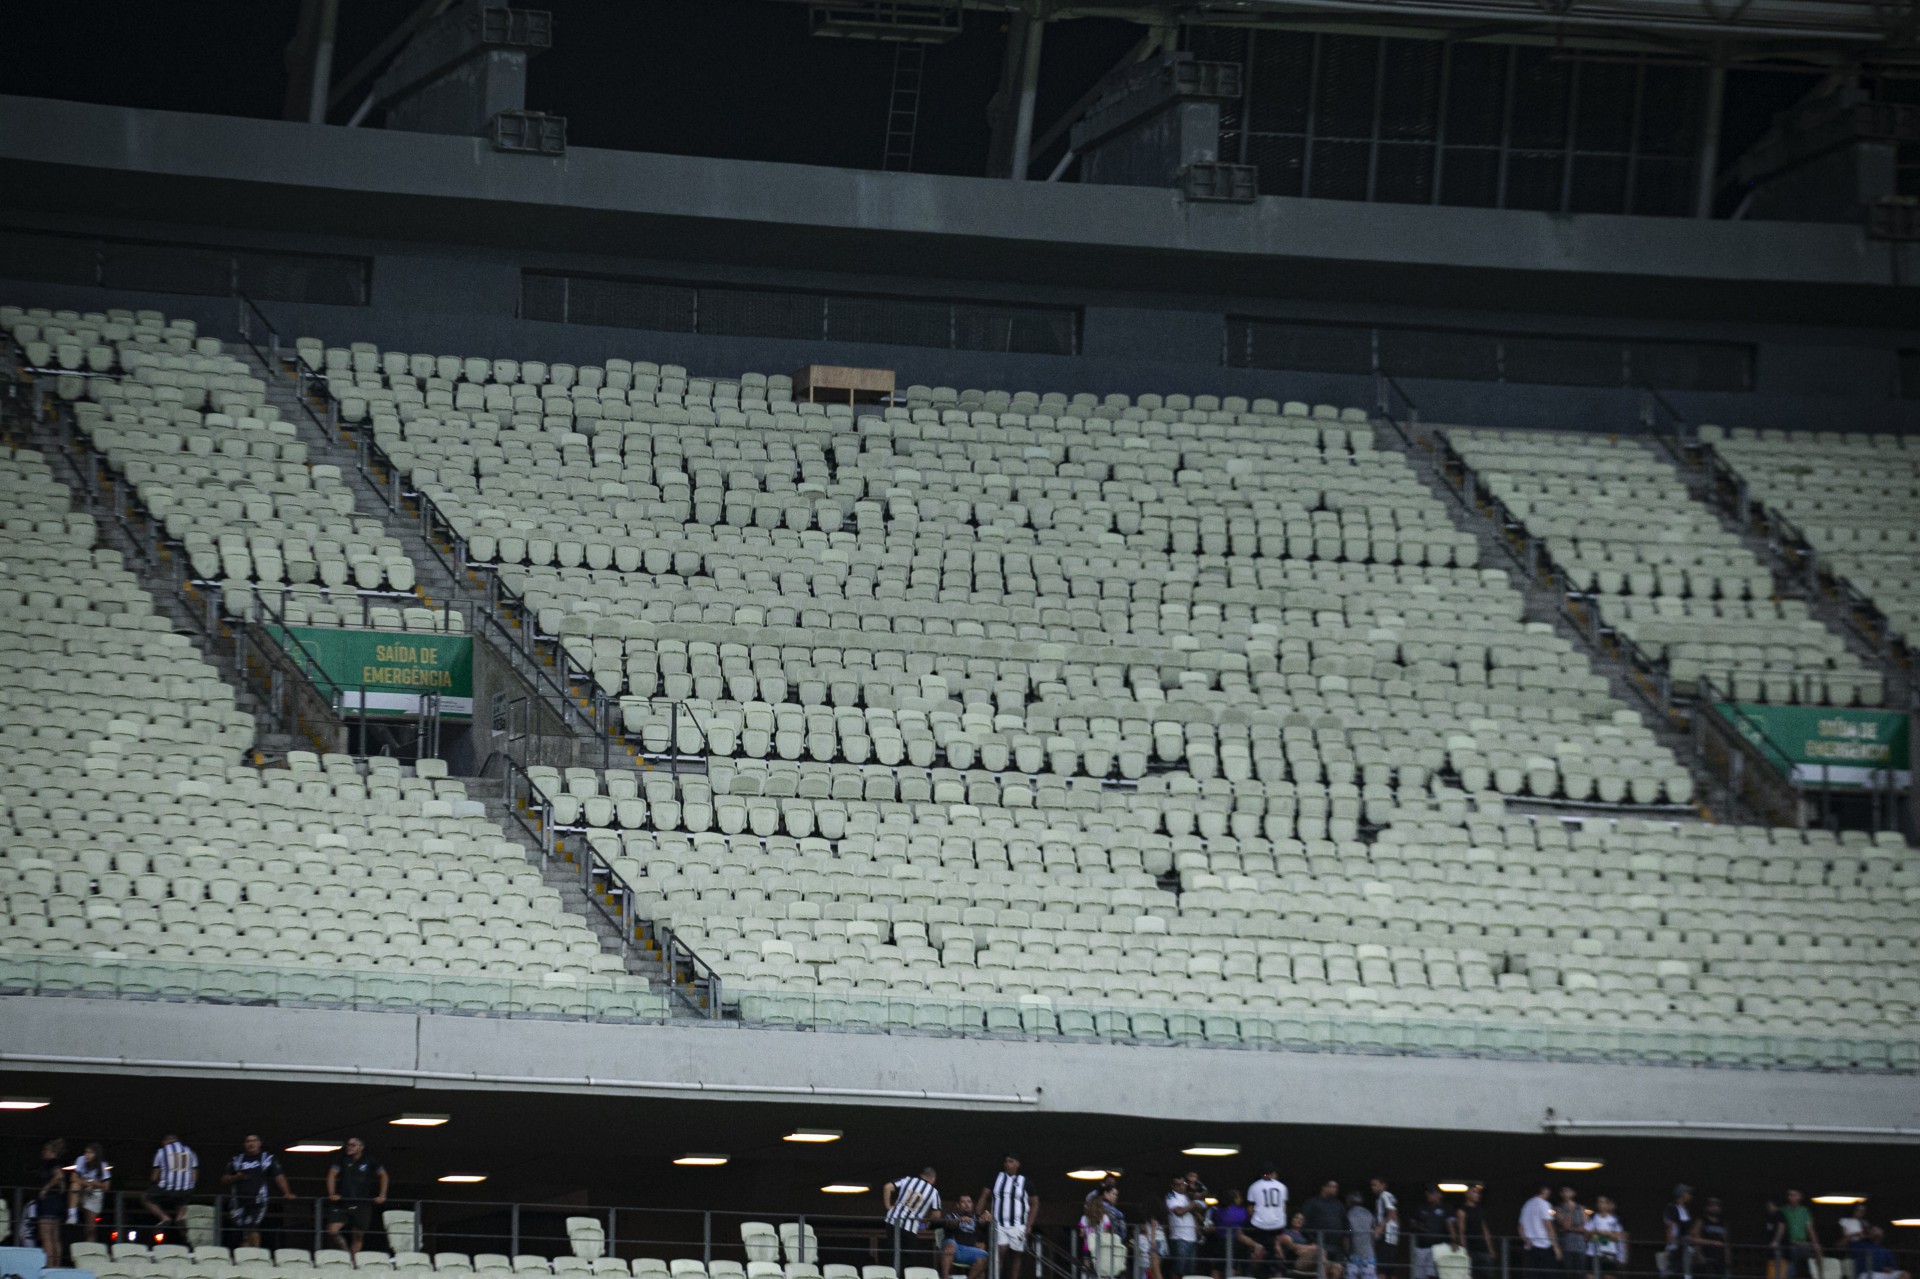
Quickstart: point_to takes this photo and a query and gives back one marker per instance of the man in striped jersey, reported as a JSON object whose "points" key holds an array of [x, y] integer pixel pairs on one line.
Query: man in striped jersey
{"points": [[175, 1175], [910, 1204], [1013, 1207]]}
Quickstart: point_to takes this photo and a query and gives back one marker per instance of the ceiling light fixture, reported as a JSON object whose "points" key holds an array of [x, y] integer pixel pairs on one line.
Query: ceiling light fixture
{"points": [[1839, 1199], [1906, 1221], [1453, 1187], [1576, 1165], [814, 1136], [314, 1148], [464, 1178], [1088, 1174], [1211, 1149], [419, 1121], [25, 1103], [700, 1161], [843, 1188]]}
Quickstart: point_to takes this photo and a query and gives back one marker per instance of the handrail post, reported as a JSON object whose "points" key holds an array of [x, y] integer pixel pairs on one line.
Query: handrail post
{"points": [[515, 1227]]}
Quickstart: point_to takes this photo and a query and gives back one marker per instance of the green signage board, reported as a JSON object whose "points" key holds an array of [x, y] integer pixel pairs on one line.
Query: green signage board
{"points": [[1827, 745], [392, 670]]}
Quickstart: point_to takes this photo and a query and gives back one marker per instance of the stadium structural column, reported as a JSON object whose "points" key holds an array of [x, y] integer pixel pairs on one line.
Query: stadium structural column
{"points": [[1712, 110], [322, 80], [1036, 28]]}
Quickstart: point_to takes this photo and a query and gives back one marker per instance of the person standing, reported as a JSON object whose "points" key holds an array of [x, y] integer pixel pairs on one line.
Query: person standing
{"points": [[1679, 1221], [356, 1186], [1183, 1228], [1360, 1238], [1266, 1218], [1152, 1241], [1536, 1232], [910, 1203], [1711, 1245], [50, 1200], [1094, 1236], [1231, 1248], [1386, 1228], [1430, 1227], [87, 1193], [1771, 1230], [1570, 1229], [1797, 1237], [1012, 1207], [250, 1173], [1606, 1239], [1853, 1229], [1325, 1217], [175, 1175], [1470, 1230]]}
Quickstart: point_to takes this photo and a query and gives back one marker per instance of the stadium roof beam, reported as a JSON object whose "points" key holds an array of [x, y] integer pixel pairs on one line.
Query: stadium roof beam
{"points": [[1844, 23]]}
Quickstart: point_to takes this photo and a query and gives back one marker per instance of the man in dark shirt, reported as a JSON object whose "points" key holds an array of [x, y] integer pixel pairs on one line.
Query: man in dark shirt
{"points": [[1712, 1247], [962, 1247], [356, 1185], [1429, 1228], [248, 1175], [1326, 1222]]}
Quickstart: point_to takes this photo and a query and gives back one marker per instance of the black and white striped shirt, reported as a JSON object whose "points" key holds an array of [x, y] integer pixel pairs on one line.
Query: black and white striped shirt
{"points": [[1010, 1201], [178, 1167], [914, 1201]]}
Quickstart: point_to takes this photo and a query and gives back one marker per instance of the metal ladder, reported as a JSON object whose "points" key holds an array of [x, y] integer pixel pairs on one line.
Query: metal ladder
{"points": [[903, 106]]}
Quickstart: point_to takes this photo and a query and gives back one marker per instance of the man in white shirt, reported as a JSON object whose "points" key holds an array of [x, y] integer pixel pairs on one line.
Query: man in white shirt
{"points": [[1183, 1228], [1013, 1206], [1267, 1217], [1536, 1231], [1606, 1237]]}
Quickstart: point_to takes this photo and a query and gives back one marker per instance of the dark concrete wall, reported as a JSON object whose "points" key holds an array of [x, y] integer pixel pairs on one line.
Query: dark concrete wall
{"points": [[449, 224]]}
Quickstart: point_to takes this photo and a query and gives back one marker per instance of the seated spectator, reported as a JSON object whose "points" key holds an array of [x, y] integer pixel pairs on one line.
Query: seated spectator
{"points": [[962, 1227], [87, 1195], [1302, 1254], [1875, 1260]]}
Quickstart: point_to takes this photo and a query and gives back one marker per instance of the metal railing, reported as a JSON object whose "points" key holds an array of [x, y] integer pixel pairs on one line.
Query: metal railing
{"points": [[281, 671], [1392, 1031], [1650, 677], [493, 1233], [590, 712], [1729, 490], [259, 982], [692, 981]]}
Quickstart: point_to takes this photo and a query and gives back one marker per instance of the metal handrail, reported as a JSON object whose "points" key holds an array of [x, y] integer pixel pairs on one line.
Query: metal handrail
{"points": [[535, 1228], [284, 681], [1728, 487], [1651, 678], [368, 455], [692, 979]]}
